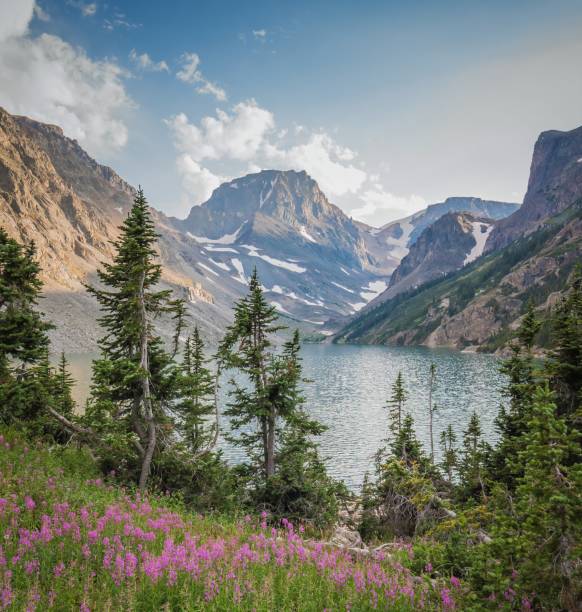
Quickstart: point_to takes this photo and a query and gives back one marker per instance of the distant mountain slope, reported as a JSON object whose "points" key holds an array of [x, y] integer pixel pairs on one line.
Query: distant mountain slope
{"points": [[479, 305], [53, 193], [310, 256], [451, 242], [392, 242]]}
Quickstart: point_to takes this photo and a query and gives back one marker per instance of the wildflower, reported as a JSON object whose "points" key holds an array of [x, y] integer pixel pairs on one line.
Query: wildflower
{"points": [[29, 503]]}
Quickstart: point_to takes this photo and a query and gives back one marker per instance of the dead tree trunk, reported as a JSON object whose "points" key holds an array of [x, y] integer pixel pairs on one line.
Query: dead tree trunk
{"points": [[146, 399]]}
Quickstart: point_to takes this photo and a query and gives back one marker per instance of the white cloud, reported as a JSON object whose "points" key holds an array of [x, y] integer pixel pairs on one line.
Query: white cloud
{"points": [[236, 136], [247, 139], [144, 62], [380, 206], [324, 160], [198, 182], [40, 13], [260, 34], [49, 80], [88, 9], [190, 73], [15, 17]]}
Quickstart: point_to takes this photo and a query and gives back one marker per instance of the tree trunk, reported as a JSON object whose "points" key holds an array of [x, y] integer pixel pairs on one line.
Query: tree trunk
{"points": [[430, 411], [271, 446], [146, 395]]}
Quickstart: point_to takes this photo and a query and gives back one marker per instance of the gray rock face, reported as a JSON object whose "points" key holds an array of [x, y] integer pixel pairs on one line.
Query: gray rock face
{"points": [[447, 245], [311, 258], [555, 183], [391, 243]]}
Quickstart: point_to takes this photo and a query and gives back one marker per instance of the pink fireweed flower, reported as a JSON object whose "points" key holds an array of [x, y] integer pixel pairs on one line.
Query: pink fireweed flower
{"points": [[455, 582], [29, 503]]}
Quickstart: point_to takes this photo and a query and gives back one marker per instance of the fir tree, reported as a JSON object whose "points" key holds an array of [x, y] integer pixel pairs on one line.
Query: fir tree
{"points": [[197, 401], [449, 452], [511, 423], [62, 388], [23, 336], [472, 460], [134, 379], [565, 365], [246, 346], [396, 403], [540, 531], [23, 332]]}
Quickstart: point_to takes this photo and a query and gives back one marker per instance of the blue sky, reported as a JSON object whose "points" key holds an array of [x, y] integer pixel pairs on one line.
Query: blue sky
{"points": [[389, 105]]}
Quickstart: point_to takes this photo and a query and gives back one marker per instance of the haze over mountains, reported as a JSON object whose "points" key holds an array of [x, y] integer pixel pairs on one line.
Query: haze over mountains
{"points": [[319, 268]]}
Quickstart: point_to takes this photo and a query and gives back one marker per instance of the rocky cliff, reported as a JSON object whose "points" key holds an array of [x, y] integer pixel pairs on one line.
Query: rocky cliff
{"points": [[555, 182]]}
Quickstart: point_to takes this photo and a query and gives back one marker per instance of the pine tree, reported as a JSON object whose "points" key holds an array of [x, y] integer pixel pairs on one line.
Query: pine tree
{"points": [[396, 403], [62, 388], [23, 331], [246, 346], [448, 446], [540, 533], [134, 379], [511, 423], [565, 364], [197, 401], [406, 446], [472, 460], [23, 334]]}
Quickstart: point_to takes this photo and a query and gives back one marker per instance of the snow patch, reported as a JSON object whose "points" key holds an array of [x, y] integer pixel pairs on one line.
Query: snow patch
{"points": [[119, 210], [579, 160], [219, 264], [373, 289], [263, 199], [480, 240], [342, 287], [287, 265], [208, 269], [306, 234], [400, 245], [358, 306], [237, 265], [220, 249], [226, 239], [344, 271], [280, 308]]}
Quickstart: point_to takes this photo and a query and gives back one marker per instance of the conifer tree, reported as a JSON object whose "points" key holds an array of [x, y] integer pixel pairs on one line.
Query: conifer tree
{"points": [[406, 446], [23, 334], [134, 378], [246, 346], [62, 388], [472, 460], [540, 534], [449, 451], [511, 423], [396, 403], [565, 365], [197, 401], [23, 331]]}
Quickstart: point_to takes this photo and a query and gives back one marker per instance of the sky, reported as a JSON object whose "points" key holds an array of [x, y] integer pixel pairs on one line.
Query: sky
{"points": [[389, 105]]}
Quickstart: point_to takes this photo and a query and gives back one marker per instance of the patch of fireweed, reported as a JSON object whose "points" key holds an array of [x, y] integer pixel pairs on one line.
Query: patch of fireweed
{"points": [[73, 542]]}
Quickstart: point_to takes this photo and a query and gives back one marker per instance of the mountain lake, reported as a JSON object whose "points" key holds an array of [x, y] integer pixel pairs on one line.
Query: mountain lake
{"points": [[349, 389]]}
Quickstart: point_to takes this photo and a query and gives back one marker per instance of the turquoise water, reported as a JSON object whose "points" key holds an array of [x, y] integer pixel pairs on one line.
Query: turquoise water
{"points": [[352, 383]]}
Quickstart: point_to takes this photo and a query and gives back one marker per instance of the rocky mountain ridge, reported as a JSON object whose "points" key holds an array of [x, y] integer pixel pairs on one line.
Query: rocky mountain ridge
{"points": [[477, 307]]}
